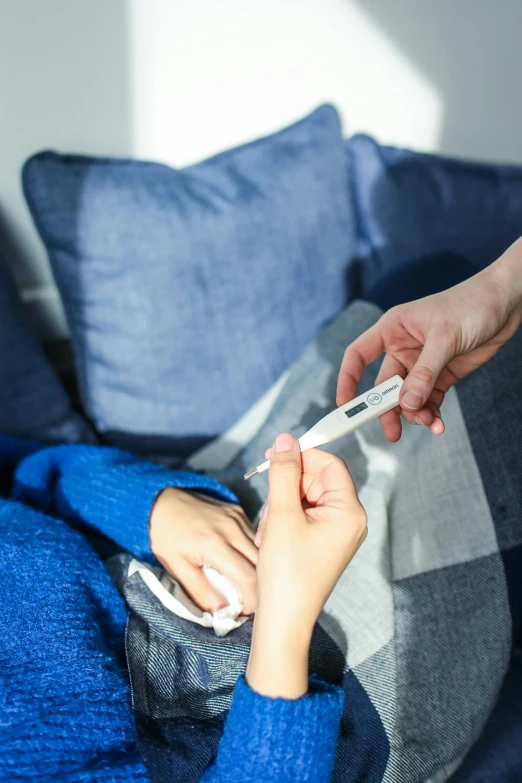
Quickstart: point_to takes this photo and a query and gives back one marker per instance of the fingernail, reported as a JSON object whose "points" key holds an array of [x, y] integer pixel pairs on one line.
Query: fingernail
{"points": [[284, 442], [417, 420], [264, 512], [412, 400]]}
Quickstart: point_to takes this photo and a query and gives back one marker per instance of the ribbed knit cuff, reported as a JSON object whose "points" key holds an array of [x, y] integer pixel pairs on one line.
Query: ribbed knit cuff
{"points": [[109, 490], [119, 501], [280, 739]]}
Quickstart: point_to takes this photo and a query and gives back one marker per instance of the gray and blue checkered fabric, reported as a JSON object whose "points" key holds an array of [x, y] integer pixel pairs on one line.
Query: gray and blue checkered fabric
{"points": [[419, 630]]}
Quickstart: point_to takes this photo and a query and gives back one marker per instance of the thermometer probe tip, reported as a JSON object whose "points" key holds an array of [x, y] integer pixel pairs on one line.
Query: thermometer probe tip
{"points": [[251, 474]]}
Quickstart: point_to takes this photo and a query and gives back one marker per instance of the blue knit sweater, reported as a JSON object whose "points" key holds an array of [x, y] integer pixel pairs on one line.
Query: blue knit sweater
{"points": [[65, 707]]}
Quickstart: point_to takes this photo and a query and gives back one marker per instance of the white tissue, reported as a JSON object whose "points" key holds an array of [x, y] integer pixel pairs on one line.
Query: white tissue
{"points": [[175, 599]]}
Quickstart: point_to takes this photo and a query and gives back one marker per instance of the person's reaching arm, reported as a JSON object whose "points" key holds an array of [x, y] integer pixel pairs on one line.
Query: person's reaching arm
{"points": [[281, 726], [184, 519], [436, 341]]}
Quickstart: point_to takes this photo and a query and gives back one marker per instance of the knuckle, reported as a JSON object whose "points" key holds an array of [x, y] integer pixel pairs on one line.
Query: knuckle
{"points": [[229, 522], [240, 517], [286, 464], [221, 541], [338, 461], [209, 540], [391, 316], [347, 353], [424, 374]]}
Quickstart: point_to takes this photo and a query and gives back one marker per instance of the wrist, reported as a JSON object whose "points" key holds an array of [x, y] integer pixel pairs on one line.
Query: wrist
{"points": [[507, 275], [278, 662], [282, 627]]}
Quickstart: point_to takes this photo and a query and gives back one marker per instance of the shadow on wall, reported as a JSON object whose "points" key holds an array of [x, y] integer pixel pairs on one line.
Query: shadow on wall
{"points": [[71, 62], [470, 53]]}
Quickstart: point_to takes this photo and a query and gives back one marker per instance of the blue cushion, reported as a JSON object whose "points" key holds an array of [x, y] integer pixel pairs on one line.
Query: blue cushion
{"points": [[410, 206], [189, 292], [33, 402]]}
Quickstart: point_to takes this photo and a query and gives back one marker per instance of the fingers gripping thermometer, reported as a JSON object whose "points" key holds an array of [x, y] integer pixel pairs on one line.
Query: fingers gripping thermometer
{"points": [[347, 418]]}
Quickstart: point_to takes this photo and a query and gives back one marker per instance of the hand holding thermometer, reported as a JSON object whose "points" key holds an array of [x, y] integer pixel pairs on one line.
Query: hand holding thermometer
{"points": [[347, 418]]}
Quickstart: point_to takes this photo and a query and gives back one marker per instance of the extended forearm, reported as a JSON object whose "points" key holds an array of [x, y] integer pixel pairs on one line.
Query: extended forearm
{"points": [[506, 273], [278, 663]]}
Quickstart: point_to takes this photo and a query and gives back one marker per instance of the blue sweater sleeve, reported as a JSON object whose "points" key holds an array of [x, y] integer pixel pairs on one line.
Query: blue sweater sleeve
{"points": [[278, 740], [111, 491]]}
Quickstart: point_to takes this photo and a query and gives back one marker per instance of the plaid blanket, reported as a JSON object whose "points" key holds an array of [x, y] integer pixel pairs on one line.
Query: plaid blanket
{"points": [[419, 630]]}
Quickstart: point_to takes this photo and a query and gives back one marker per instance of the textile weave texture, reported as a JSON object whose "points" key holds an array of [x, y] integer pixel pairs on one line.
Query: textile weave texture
{"points": [[419, 630]]}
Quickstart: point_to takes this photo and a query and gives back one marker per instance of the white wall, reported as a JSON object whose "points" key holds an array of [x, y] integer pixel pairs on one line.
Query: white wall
{"points": [[64, 84], [176, 80], [207, 75]]}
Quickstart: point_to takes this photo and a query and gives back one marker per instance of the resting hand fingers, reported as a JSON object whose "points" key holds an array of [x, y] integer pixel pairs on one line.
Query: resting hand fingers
{"points": [[230, 563], [196, 584], [262, 525], [243, 523], [243, 544]]}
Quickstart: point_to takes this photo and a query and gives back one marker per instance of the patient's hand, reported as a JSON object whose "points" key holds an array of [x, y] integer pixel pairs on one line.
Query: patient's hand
{"points": [[312, 526], [188, 531]]}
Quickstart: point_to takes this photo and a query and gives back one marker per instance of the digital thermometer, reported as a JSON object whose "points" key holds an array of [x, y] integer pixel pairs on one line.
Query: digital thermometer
{"points": [[347, 418]]}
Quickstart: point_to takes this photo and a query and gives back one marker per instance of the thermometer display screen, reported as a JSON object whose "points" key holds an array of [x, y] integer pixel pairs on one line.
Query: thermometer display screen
{"points": [[354, 411]]}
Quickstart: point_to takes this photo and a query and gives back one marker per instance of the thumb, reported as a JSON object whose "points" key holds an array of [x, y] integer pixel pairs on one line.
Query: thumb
{"points": [[424, 374], [285, 476]]}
